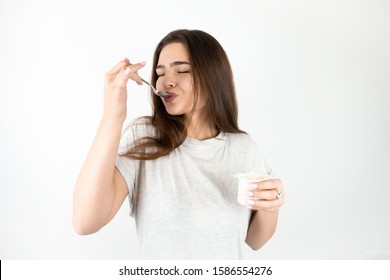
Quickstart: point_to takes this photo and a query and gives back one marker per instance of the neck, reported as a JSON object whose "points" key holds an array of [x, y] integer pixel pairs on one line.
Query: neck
{"points": [[199, 129]]}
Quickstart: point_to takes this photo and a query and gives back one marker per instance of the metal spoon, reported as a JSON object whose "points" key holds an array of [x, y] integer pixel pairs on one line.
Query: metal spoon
{"points": [[159, 93]]}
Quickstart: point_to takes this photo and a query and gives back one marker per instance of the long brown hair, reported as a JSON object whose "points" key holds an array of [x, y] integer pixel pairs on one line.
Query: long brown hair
{"points": [[212, 78]]}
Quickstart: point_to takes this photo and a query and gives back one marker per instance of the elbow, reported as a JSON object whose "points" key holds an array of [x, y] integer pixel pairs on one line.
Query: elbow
{"points": [[257, 244], [82, 228], [255, 247], [82, 231]]}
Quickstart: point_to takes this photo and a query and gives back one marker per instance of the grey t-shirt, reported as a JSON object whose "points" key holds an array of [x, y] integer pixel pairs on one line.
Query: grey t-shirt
{"points": [[185, 204]]}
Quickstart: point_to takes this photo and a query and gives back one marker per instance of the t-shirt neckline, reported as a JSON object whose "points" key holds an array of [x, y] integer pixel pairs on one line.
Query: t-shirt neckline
{"points": [[195, 143]]}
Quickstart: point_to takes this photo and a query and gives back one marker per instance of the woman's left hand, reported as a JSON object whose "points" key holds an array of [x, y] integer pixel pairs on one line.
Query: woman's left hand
{"points": [[268, 196]]}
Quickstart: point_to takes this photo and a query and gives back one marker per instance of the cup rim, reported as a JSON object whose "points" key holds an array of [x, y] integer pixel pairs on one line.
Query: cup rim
{"points": [[243, 176]]}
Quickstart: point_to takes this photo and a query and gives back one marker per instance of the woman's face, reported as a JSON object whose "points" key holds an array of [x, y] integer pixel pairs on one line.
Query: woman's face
{"points": [[174, 76]]}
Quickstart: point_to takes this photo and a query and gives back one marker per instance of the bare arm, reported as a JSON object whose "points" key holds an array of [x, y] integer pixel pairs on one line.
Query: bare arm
{"points": [[264, 221], [96, 196], [100, 189], [261, 228]]}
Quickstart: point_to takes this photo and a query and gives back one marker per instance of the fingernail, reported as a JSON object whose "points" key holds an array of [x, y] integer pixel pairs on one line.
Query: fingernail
{"points": [[143, 62], [251, 202], [249, 193], [252, 186], [127, 71]]}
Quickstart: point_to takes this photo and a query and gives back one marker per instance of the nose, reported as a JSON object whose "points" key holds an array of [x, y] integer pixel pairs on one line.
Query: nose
{"points": [[168, 81]]}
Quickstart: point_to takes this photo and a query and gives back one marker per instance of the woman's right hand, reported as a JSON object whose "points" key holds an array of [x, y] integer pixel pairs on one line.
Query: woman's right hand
{"points": [[100, 189], [115, 90]]}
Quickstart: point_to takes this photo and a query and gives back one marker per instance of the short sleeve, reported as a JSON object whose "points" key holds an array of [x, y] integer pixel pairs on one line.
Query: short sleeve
{"points": [[260, 163]]}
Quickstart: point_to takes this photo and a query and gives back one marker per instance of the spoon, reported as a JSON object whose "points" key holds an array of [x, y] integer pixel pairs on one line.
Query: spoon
{"points": [[159, 93]]}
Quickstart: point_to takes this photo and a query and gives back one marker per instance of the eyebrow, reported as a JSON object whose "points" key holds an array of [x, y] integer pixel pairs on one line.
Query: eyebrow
{"points": [[175, 63]]}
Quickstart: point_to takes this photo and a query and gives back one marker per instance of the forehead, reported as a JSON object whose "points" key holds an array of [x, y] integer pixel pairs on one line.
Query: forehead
{"points": [[173, 52]]}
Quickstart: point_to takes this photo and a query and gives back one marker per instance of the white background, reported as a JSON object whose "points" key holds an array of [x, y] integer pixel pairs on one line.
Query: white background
{"points": [[313, 88]]}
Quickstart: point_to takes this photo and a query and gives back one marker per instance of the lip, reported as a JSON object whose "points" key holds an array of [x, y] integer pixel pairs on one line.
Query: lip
{"points": [[170, 99]]}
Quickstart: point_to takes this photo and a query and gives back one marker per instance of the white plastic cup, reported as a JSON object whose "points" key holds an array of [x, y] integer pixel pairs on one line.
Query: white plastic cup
{"points": [[245, 184]]}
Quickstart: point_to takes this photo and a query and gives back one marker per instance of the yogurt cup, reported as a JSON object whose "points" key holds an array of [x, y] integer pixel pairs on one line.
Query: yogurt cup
{"points": [[245, 180]]}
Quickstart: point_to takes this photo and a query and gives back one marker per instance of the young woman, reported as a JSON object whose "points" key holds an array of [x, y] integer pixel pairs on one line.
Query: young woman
{"points": [[176, 166]]}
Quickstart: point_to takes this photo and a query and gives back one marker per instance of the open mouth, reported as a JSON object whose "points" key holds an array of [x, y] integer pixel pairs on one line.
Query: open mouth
{"points": [[170, 98]]}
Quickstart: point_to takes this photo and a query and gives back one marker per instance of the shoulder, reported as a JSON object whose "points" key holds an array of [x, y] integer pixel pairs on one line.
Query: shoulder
{"points": [[135, 130], [241, 139], [244, 148], [138, 128], [241, 143]]}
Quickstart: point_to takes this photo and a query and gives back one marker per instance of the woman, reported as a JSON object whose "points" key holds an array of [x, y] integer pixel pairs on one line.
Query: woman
{"points": [[176, 166]]}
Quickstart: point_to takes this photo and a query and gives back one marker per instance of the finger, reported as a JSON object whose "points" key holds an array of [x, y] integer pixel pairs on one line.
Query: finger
{"points": [[117, 68], [265, 205], [131, 72], [264, 194], [269, 184]]}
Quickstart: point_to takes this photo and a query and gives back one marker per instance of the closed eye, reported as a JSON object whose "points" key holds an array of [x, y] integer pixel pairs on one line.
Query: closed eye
{"points": [[180, 72]]}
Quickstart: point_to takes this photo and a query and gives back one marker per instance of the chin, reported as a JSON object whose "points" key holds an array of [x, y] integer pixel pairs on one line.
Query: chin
{"points": [[174, 111]]}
